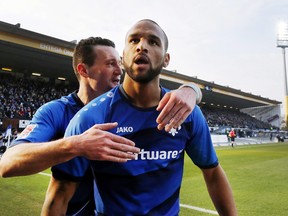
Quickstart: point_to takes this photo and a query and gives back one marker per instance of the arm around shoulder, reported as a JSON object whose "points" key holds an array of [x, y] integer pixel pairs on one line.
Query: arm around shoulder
{"points": [[30, 158], [196, 89], [176, 105]]}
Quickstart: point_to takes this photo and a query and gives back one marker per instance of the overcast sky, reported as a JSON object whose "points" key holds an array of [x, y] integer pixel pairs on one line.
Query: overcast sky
{"points": [[230, 42]]}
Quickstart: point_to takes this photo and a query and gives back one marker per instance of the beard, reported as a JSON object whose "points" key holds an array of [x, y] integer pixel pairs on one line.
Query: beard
{"points": [[142, 77]]}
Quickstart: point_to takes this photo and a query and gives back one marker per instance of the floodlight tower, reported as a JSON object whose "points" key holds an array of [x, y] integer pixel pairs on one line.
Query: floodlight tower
{"points": [[282, 42]]}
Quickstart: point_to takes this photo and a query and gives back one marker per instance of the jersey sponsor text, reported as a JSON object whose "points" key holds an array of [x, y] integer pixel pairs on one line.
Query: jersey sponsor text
{"points": [[158, 155]]}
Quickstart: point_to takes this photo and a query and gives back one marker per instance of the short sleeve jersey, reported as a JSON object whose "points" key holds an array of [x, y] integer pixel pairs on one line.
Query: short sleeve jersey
{"points": [[150, 184], [49, 123]]}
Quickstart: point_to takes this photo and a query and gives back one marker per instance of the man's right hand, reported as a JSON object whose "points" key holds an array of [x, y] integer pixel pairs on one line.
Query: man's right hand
{"points": [[98, 144]]}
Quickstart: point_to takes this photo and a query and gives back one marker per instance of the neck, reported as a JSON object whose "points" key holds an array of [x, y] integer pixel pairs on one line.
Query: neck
{"points": [[87, 94], [142, 95]]}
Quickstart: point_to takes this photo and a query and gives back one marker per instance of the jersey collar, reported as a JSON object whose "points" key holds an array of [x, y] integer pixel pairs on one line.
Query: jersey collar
{"points": [[77, 99]]}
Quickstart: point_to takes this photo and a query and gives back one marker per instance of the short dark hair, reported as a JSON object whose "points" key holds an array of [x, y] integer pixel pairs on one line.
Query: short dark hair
{"points": [[84, 53], [166, 43]]}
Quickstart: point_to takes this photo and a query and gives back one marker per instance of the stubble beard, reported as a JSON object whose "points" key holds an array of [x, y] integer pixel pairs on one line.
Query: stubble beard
{"points": [[142, 77]]}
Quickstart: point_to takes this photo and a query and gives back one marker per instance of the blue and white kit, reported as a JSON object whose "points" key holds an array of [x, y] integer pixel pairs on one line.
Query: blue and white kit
{"points": [[150, 184], [49, 123]]}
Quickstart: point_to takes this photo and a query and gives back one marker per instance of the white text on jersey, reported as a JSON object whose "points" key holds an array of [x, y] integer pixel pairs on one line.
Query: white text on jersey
{"points": [[157, 155], [124, 130]]}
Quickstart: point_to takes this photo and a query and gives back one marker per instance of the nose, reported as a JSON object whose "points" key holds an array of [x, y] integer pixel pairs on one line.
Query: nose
{"points": [[142, 46], [118, 69]]}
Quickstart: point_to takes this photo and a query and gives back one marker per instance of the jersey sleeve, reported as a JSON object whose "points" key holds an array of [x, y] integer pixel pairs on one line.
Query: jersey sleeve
{"points": [[200, 148], [91, 114], [46, 119], [74, 169]]}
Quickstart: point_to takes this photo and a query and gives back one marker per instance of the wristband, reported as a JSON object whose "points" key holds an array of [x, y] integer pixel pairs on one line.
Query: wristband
{"points": [[196, 89]]}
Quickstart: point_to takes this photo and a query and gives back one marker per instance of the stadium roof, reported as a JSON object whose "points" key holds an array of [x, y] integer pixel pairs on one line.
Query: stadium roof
{"points": [[29, 52], [217, 95]]}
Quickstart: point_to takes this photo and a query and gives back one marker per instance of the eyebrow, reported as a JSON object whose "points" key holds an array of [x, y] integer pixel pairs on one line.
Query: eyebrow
{"points": [[151, 36], [133, 35], [154, 37], [111, 60]]}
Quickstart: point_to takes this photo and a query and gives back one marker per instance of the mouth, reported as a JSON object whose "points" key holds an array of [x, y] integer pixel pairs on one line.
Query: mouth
{"points": [[116, 81], [141, 59]]}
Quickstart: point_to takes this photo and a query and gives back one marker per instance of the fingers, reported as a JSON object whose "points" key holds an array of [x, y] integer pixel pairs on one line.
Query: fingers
{"points": [[105, 126], [167, 112], [117, 152], [117, 159], [174, 115], [105, 146], [123, 144], [176, 106], [163, 101], [121, 156], [177, 121], [108, 126], [174, 118], [122, 140]]}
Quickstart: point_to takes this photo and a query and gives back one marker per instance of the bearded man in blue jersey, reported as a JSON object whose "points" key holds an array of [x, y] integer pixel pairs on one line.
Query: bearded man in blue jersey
{"points": [[150, 183], [96, 65]]}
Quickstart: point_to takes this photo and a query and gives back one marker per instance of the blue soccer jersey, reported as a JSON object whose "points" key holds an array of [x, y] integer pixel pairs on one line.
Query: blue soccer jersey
{"points": [[49, 123], [150, 184]]}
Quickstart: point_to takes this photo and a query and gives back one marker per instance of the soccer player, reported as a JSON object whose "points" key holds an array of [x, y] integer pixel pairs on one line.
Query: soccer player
{"points": [[232, 136], [149, 184], [40, 145]]}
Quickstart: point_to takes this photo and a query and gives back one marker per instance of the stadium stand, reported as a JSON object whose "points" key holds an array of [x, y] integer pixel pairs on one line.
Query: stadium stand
{"points": [[21, 97], [217, 117]]}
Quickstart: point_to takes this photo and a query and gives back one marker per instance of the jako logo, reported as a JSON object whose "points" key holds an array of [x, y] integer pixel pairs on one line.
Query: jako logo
{"points": [[124, 129]]}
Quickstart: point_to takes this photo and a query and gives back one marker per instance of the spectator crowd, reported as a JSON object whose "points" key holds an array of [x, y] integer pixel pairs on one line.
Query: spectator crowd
{"points": [[217, 117], [21, 97]]}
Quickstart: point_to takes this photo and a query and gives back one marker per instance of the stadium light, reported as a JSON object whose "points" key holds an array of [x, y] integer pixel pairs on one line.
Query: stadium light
{"points": [[282, 42], [6, 69], [36, 74], [282, 36]]}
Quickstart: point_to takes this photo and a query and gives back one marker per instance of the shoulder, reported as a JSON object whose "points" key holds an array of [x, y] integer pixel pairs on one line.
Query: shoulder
{"points": [[196, 113], [56, 106], [164, 90], [93, 113], [196, 120], [49, 110], [100, 105], [56, 113]]}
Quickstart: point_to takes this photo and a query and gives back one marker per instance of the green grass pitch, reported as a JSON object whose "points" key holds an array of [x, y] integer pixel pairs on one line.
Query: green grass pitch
{"points": [[258, 175]]}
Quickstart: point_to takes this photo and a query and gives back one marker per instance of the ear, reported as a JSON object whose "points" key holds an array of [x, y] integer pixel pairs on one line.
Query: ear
{"points": [[81, 68], [166, 60], [122, 57]]}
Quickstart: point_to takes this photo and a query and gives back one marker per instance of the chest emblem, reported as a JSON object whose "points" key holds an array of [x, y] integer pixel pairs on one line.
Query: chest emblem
{"points": [[174, 131]]}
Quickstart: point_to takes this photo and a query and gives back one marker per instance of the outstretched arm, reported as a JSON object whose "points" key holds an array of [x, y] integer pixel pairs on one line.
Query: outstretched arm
{"points": [[58, 196], [95, 144], [220, 191], [176, 105]]}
